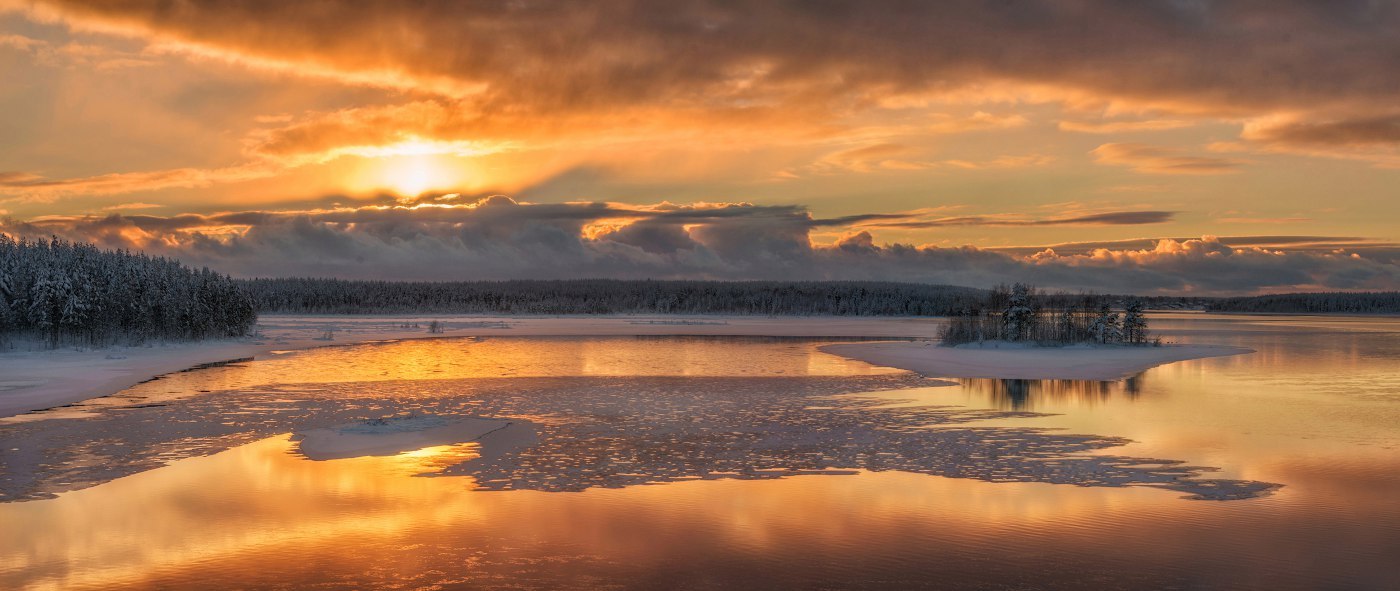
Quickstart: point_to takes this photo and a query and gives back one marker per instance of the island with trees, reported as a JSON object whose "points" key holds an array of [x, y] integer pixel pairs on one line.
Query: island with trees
{"points": [[1021, 314]]}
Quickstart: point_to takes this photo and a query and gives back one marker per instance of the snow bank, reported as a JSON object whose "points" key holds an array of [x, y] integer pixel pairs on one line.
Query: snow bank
{"points": [[35, 380], [390, 436], [1019, 361]]}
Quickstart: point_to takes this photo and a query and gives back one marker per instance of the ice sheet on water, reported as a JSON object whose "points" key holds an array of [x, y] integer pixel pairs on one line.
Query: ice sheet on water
{"points": [[613, 432]]}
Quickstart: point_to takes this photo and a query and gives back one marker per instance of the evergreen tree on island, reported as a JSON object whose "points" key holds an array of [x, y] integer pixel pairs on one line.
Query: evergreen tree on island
{"points": [[1021, 314]]}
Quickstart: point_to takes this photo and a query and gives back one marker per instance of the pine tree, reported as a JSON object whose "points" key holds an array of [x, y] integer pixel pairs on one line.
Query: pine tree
{"points": [[1105, 327], [71, 292], [1134, 324], [1018, 321]]}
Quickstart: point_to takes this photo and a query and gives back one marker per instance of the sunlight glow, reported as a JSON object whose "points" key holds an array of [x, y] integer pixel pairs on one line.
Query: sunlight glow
{"points": [[410, 175], [416, 166]]}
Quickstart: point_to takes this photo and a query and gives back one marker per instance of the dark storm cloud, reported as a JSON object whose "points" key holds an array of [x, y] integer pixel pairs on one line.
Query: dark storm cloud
{"points": [[498, 238]]}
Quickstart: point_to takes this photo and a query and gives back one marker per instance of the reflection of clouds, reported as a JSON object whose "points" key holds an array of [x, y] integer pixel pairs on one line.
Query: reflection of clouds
{"points": [[1026, 394], [274, 520]]}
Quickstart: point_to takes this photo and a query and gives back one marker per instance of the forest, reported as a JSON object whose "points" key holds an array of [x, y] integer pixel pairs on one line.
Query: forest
{"points": [[58, 293], [1020, 313], [64, 293], [600, 296], [1374, 302]]}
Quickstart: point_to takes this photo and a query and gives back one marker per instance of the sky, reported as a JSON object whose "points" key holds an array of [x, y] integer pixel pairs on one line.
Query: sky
{"points": [[1187, 147]]}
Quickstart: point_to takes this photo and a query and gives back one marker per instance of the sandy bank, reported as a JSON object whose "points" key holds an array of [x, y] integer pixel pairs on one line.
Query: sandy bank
{"points": [[1032, 363], [34, 380], [385, 437]]}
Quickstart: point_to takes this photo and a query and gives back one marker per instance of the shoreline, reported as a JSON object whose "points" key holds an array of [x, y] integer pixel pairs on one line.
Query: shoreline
{"points": [[1074, 362], [38, 380]]}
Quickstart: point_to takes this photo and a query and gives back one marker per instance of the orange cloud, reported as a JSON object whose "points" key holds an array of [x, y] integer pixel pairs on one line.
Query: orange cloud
{"points": [[1106, 127], [1158, 160], [33, 187]]}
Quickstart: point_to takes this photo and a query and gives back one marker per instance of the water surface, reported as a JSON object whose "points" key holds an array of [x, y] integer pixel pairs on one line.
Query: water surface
{"points": [[728, 463]]}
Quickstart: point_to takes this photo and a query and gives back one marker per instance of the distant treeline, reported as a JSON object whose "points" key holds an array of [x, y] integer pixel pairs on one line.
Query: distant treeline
{"points": [[1375, 302], [598, 296], [61, 292]]}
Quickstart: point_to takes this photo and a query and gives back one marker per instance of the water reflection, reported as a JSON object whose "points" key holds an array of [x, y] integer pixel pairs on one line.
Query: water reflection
{"points": [[277, 521], [1315, 409], [1034, 394], [487, 358], [612, 432]]}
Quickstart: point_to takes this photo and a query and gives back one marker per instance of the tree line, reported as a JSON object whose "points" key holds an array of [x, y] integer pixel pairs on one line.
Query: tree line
{"points": [[1372, 302], [1020, 313], [60, 293], [602, 296]]}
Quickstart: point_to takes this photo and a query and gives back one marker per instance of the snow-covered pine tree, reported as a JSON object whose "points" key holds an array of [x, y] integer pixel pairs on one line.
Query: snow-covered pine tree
{"points": [[1134, 323], [1105, 327], [64, 292], [1018, 320]]}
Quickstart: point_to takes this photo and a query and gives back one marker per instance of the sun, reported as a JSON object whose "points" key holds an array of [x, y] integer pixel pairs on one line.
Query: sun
{"points": [[412, 168], [414, 174]]}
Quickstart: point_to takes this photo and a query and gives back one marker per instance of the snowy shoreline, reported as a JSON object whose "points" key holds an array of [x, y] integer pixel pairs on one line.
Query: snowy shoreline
{"points": [[1099, 363], [36, 380]]}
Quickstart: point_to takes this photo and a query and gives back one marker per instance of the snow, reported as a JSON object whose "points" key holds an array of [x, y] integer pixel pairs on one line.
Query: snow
{"points": [[1024, 361], [34, 380]]}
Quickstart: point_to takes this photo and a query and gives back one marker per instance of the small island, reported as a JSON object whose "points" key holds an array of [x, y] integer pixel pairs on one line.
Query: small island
{"points": [[1020, 333]]}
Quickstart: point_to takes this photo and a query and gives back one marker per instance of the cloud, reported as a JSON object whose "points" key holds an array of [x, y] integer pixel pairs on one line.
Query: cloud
{"points": [[482, 78], [1263, 56], [130, 206], [1112, 218], [495, 237], [1158, 160], [1366, 137], [27, 186], [73, 54], [896, 157], [1105, 127], [1312, 244], [550, 67], [887, 156], [1258, 220], [1361, 131], [979, 121]]}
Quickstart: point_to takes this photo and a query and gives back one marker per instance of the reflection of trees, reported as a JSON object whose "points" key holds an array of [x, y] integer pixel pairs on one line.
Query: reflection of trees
{"points": [[1024, 394]]}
